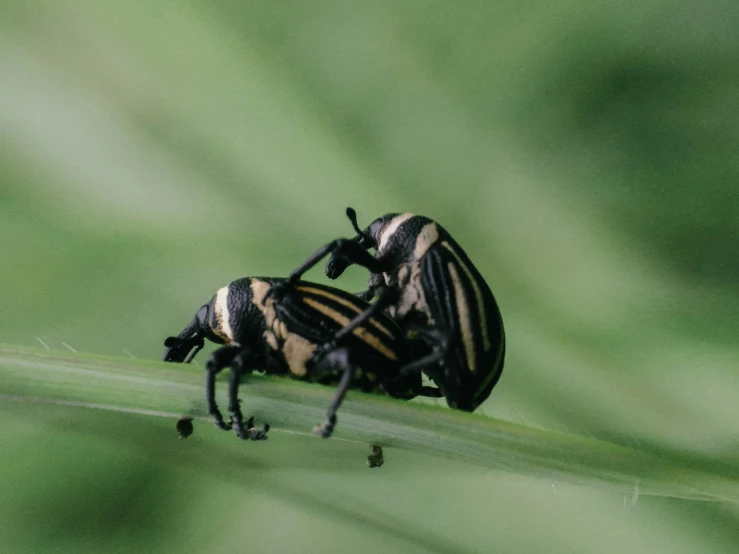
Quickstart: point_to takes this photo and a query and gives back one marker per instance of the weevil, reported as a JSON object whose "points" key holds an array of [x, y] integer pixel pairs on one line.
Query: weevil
{"points": [[293, 328], [424, 280]]}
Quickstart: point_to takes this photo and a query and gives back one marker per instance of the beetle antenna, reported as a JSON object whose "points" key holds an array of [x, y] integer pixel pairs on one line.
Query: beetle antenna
{"points": [[352, 215]]}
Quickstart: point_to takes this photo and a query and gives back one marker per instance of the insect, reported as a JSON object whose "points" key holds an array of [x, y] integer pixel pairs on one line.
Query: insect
{"points": [[184, 427], [294, 328], [424, 280]]}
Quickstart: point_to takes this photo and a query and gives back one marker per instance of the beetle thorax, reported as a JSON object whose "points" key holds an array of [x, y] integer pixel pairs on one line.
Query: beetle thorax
{"points": [[406, 238], [413, 239], [390, 238], [296, 349], [221, 319]]}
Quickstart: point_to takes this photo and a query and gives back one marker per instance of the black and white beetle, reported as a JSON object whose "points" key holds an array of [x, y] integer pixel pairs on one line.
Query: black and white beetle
{"points": [[426, 282], [291, 328]]}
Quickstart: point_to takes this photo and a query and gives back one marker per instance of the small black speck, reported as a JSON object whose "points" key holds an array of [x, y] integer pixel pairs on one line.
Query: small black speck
{"points": [[184, 427], [376, 459]]}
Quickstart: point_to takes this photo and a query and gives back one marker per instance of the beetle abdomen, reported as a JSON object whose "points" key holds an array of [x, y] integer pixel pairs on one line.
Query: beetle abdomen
{"points": [[306, 315], [318, 312]]}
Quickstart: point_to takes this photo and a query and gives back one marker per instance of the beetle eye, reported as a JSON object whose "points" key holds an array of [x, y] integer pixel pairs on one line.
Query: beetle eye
{"points": [[373, 231], [367, 241], [202, 316]]}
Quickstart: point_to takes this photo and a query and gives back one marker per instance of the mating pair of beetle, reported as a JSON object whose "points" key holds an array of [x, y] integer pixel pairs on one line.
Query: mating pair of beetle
{"points": [[432, 313]]}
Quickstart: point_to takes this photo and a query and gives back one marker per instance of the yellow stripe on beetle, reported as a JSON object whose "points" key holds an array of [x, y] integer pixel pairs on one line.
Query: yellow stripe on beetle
{"points": [[490, 375], [360, 332], [390, 229], [223, 328], [346, 303], [478, 295], [426, 238], [463, 316]]}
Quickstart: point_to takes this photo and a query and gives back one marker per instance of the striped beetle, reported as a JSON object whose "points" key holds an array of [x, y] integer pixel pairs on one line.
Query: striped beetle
{"points": [[295, 329], [423, 279]]}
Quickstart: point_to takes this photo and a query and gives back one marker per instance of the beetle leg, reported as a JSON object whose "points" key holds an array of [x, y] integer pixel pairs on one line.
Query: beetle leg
{"points": [[213, 366], [240, 364], [256, 434], [434, 337], [376, 283], [237, 418], [386, 297], [198, 347], [336, 359], [348, 249], [430, 392], [365, 295], [453, 388], [421, 363], [180, 350]]}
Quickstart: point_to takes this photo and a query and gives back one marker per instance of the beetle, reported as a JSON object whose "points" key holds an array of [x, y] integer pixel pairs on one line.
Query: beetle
{"points": [[294, 328], [423, 279]]}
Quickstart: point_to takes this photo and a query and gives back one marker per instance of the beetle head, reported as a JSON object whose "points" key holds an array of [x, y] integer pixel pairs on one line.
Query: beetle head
{"points": [[180, 348], [336, 265], [367, 238], [370, 236]]}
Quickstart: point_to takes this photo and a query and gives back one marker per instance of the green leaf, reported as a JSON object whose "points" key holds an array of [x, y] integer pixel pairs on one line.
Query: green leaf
{"points": [[169, 390]]}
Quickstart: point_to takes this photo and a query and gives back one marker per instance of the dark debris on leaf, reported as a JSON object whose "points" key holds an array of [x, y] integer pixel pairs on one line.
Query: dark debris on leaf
{"points": [[376, 459], [185, 427]]}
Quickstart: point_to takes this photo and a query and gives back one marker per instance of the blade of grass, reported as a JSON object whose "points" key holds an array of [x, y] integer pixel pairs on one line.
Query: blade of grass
{"points": [[161, 389]]}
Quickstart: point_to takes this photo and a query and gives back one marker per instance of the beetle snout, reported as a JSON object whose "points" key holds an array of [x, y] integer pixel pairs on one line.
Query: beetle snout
{"points": [[335, 266], [179, 350]]}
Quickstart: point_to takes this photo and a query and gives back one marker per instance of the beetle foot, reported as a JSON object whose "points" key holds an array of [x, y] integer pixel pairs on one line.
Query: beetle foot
{"points": [[321, 352], [256, 434], [236, 422], [218, 420], [246, 430], [325, 429], [335, 266]]}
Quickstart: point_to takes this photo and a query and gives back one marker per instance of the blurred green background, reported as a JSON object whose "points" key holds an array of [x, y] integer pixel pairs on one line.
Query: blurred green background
{"points": [[585, 154]]}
